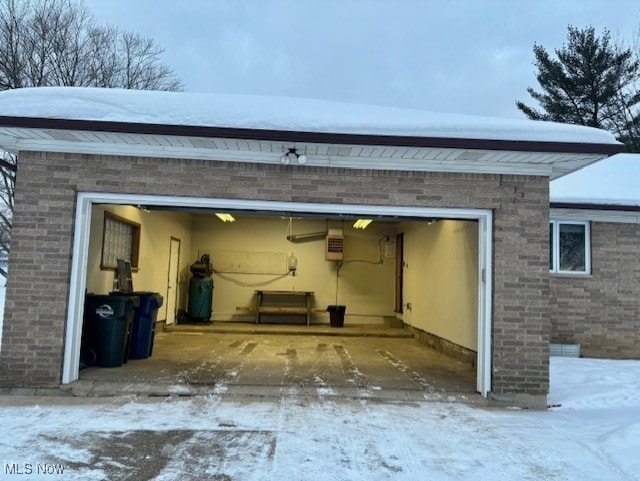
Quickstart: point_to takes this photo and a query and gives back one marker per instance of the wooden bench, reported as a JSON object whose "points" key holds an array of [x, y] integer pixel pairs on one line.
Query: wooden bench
{"points": [[285, 303]]}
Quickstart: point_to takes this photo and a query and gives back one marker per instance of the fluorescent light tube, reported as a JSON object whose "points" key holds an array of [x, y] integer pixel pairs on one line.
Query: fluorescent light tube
{"points": [[225, 217], [362, 223]]}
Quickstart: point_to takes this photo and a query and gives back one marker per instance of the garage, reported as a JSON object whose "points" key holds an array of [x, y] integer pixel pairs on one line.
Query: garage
{"points": [[410, 267], [289, 167]]}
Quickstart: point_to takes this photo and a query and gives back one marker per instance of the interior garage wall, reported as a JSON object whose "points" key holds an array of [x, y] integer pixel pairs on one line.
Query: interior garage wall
{"points": [[42, 239], [365, 285], [156, 230], [440, 279]]}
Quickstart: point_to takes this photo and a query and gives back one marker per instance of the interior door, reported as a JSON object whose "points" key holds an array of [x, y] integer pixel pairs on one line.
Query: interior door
{"points": [[399, 266], [172, 283]]}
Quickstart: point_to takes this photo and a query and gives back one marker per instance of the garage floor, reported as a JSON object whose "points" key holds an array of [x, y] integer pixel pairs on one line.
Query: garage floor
{"points": [[274, 360]]}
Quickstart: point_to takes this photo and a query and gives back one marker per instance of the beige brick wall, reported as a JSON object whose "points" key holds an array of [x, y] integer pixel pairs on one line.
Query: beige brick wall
{"points": [[601, 312], [47, 184]]}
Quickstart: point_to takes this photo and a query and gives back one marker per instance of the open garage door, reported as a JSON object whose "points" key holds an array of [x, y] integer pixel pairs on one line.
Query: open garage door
{"points": [[446, 263]]}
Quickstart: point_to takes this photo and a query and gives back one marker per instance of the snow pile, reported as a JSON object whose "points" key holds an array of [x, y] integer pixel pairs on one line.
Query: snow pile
{"points": [[277, 113], [611, 181], [594, 383]]}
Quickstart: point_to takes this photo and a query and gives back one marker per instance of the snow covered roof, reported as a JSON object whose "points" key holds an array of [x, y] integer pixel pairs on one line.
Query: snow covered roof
{"points": [[277, 113], [259, 129], [614, 181]]}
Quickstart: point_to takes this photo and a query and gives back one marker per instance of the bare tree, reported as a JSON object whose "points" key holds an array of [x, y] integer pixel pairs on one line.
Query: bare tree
{"points": [[58, 42], [141, 69], [7, 184]]}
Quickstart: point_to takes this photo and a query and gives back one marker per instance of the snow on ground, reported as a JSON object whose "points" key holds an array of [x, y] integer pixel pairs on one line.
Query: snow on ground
{"points": [[277, 113], [613, 181], [592, 434]]}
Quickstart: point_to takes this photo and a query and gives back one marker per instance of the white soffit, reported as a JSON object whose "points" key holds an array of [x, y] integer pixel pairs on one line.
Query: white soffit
{"points": [[398, 158]]}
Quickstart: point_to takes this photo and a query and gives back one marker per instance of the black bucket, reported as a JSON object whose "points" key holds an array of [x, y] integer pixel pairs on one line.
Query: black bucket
{"points": [[336, 315]]}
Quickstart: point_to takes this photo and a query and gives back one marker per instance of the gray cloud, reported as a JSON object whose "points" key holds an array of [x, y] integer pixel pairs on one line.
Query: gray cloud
{"points": [[458, 56]]}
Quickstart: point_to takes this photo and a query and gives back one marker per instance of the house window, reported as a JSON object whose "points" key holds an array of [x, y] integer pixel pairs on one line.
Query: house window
{"points": [[120, 240], [570, 247]]}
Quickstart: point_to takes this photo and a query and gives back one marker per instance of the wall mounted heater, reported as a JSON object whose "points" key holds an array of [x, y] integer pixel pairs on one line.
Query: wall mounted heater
{"points": [[334, 245]]}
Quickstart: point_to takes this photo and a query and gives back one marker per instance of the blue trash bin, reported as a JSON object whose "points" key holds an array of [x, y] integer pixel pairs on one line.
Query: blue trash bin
{"points": [[143, 327]]}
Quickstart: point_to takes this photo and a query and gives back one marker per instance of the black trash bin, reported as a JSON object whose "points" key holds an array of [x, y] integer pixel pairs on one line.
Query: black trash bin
{"points": [[107, 329], [336, 315], [143, 328]]}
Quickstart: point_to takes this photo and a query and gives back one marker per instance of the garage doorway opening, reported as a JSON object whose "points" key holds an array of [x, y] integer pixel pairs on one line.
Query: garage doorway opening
{"points": [[361, 279]]}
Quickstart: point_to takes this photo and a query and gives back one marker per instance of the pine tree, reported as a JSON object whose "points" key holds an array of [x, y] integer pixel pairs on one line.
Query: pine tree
{"points": [[590, 82]]}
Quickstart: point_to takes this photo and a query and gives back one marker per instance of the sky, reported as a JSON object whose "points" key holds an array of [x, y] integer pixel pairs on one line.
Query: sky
{"points": [[454, 56]]}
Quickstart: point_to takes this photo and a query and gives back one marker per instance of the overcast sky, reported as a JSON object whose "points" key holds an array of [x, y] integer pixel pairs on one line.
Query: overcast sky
{"points": [[458, 56]]}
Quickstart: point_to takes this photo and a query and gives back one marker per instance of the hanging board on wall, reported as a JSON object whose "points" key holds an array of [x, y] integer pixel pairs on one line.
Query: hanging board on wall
{"points": [[244, 262]]}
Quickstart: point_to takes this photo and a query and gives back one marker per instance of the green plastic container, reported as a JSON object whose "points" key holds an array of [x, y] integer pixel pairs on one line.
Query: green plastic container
{"points": [[107, 329], [200, 298]]}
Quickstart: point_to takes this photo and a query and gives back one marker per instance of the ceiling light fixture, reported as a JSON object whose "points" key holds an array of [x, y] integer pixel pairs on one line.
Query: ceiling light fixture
{"points": [[225, 217], [292, 154], [362, 223]]}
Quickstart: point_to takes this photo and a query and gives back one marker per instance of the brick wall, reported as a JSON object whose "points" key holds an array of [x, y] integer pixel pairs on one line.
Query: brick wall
{"points": [[521, 287], [602, 312], [47, 184]]}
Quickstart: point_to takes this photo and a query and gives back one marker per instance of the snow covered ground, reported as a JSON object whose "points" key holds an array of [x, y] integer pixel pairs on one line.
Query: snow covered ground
{"points": [[593, 433]]}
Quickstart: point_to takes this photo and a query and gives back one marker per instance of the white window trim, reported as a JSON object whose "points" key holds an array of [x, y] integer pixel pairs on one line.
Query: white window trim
{"points": [[555, 247]]}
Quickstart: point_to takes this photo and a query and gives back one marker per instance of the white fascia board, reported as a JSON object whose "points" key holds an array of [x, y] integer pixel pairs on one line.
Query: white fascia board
{"points": [[592, 215], [373, 163], [434, 165]]}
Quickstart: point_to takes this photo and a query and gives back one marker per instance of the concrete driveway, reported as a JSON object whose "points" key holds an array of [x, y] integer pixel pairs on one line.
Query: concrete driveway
{"points": [[272, 360]]}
